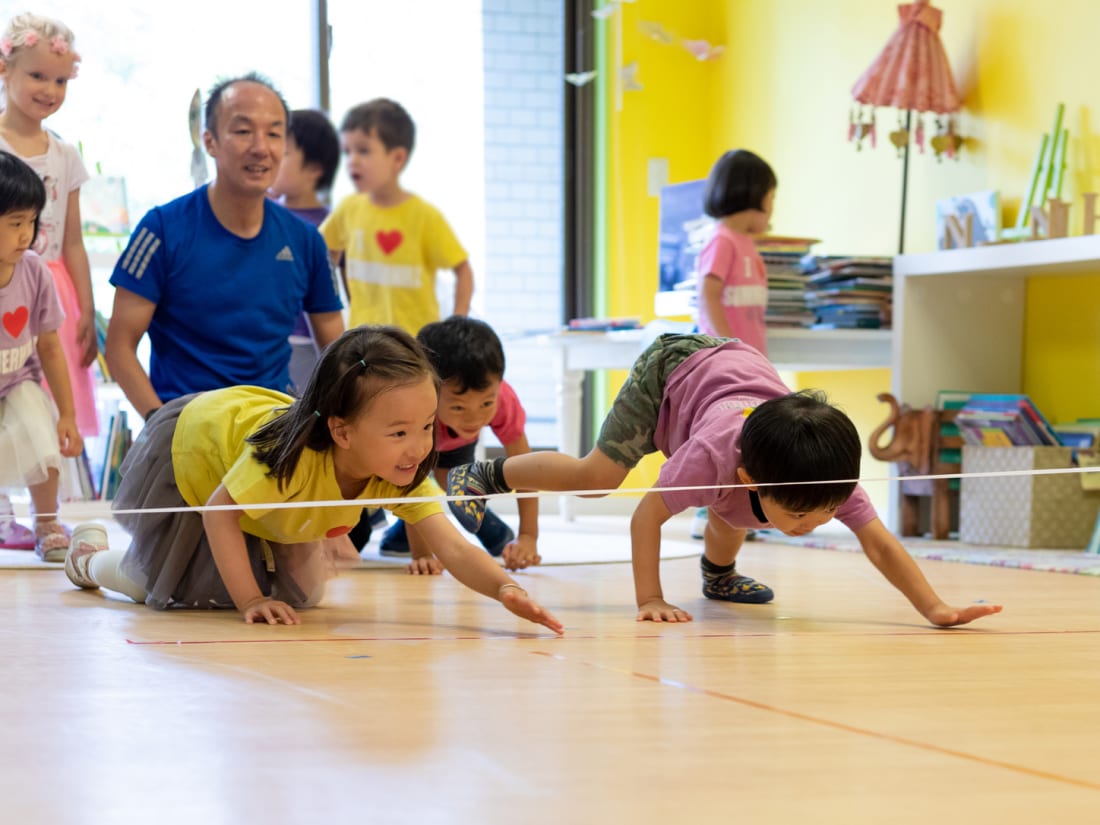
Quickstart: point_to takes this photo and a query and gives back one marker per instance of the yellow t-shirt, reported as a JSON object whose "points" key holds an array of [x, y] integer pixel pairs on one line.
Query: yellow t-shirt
{"points": [[392, 254], [209, 449]]}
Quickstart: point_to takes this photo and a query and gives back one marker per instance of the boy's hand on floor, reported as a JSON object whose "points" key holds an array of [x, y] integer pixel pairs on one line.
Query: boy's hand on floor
{"points": [[946, 616], [658, 610], [521, 553], [425, 566]]}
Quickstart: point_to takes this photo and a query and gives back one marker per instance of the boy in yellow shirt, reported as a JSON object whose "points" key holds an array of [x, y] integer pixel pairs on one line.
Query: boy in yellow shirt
{"points": [[392, 241]]}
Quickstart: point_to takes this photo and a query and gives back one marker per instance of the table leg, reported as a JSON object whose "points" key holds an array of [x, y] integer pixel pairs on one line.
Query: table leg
{"points": [[569, 423]]}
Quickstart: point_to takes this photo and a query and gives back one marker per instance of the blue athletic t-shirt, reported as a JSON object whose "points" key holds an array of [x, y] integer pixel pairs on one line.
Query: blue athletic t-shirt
{"points": [[225, 304]]}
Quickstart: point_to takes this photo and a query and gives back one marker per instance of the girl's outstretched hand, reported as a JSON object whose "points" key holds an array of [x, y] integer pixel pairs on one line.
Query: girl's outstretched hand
{"points": [[271, 611], [946, 616], [515, 598]]}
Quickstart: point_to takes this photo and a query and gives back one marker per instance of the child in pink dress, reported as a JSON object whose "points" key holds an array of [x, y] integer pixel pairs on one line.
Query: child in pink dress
{"points": [[36, 62]]}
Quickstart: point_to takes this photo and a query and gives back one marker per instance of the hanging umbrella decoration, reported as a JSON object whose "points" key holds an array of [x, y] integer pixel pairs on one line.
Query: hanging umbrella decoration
{"points": [[912, 75]]}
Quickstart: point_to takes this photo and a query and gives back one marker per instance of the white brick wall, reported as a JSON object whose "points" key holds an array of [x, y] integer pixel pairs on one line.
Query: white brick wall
{"points": [[524, 103]]}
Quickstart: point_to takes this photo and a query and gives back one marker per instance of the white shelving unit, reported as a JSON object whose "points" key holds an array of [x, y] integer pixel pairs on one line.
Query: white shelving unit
{"points": [[959, 316], [959, 313]]}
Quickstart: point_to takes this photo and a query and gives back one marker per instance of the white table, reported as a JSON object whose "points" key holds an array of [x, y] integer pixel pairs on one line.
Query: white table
{"points": [[575, 353]]}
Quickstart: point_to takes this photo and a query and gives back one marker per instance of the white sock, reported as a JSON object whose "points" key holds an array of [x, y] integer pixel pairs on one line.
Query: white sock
{"points": [[105, 569]]}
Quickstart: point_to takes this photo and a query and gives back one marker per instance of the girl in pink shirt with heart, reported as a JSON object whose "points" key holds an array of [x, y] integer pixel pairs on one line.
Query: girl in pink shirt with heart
{"points": [[34, 434]]}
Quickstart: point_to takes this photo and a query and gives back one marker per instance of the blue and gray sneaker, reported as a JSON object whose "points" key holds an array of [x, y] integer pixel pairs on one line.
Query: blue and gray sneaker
{"points": [[730, 586], [395, 541]]}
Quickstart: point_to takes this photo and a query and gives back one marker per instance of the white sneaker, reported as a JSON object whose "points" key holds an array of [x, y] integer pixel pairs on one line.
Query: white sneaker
{"points": [[699, 523], [88, 539]]}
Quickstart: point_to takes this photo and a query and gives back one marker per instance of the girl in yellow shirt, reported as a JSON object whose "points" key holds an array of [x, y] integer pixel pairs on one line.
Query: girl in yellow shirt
{"points": [[363, 429]]}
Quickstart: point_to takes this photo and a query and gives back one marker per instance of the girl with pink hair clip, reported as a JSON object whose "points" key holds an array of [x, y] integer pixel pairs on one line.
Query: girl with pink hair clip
{"points": [[37, 61]]}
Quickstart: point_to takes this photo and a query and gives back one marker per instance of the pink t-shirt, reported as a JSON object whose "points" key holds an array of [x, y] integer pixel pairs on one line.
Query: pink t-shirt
{"points": [[28, 307], [507, 425], [732, 258], [699, 430]]}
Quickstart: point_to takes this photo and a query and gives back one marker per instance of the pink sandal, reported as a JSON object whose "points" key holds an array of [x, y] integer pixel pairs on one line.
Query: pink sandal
{"points": [[15, 536], [51, 540]]}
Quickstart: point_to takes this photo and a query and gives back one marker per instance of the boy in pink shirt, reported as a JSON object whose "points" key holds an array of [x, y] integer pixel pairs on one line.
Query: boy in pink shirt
{"points": [[721, 415], [469, 359]]}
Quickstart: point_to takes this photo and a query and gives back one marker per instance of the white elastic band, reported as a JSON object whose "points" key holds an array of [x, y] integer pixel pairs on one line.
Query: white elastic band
{"points": [[90, 509]]}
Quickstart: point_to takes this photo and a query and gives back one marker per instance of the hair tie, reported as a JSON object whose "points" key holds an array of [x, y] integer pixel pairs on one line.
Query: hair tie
{"points": [[316, 413], [364, 363]]}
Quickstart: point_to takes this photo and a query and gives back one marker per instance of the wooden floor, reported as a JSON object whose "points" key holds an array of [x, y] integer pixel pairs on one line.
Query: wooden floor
{"points": [[412, 700]]}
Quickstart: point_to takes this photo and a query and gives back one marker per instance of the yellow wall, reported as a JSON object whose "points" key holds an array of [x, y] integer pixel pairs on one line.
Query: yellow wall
{"points": [[782, 88]]}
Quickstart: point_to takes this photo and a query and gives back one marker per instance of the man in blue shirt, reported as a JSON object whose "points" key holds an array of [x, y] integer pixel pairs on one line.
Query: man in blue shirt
{"points": [[219, 276]]}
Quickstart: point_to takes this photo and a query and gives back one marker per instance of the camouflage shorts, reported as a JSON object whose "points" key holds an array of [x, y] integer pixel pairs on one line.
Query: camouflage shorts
{"points": [[627, 432]]}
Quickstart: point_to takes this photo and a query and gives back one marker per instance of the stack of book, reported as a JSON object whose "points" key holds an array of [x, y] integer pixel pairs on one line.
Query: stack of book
{"points": [[1002, 420], [782, 256], [844, 292], [116, 445], [101, 346], [1083, 433], [603, 324]]}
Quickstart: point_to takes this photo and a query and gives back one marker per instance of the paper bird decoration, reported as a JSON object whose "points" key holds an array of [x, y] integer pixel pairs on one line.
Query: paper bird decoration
{"points": [[580, 78], [628, 74], [655, 31], [702, 50]]}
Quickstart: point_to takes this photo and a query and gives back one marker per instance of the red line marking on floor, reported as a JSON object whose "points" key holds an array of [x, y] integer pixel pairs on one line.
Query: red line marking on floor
{"points": [[829, 723], [524, 638]]}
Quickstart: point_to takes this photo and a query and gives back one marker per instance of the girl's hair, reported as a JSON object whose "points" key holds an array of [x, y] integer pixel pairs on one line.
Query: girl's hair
{"points": [[389, 120], [25, 30], [352, 372], [20, 188], [738, 181], [464, 350], [801, 438]]}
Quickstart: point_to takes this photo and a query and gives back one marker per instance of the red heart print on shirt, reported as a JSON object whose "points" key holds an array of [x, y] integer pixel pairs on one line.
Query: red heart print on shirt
{"points": [[389, 241], [15, 321]]}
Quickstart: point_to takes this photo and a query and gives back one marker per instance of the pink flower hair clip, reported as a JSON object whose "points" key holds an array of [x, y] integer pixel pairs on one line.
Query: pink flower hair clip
{"points": [[59, 45], [29, 39], [5, 46]]}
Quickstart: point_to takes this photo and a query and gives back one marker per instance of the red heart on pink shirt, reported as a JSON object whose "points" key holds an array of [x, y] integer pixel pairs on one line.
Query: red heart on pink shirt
{"points": [[335, 532], [15, 321], [389, 241]]}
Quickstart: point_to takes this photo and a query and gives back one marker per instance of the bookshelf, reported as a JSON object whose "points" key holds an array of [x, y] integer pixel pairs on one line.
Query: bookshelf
{"points": [[959, 316], [959, 313]]}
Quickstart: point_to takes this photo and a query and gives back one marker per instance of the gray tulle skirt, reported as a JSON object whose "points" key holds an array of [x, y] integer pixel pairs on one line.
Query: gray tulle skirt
{"points": [[169, 554]]}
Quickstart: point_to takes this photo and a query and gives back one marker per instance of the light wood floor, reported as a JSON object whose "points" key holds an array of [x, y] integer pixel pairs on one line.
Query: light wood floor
{"points": [[413, 700]]}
